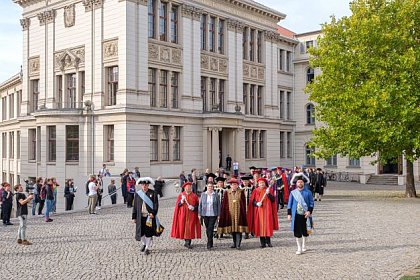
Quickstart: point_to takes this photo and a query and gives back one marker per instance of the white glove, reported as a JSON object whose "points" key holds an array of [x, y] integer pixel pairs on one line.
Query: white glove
{"points": [[259, 204], [267, 191], [183, 198], [191, 207]]}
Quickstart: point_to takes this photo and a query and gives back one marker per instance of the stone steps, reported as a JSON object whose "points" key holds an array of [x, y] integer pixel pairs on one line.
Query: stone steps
{"points": [[383, 180]]}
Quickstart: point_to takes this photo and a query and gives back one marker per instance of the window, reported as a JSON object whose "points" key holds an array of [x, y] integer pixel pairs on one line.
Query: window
{"points": [[212, 92], [354, 162], [254, 144], [32, 143], [261, 143], [252, 97], [309, 159], [52, 143], [289, 108], [245, 43], [59, 93], [18, 144], [259, 101], [163, 89], [310, 75], [4, 144], [259, 47], [165, 143], [72, 143], [204, 92], [162, 21], [71, 91], [308, 45], [82, 82], [11, 179], [38, 143], [282, 153], [289, 144], [251, 45], [177, 143], [174, 89], [288, 61], [302, 47], [281, 60], [34, 94], [221, 37], [221, 95], [109, 143], [245, 98], [3, 108], [281, 109], [212, 35], [152, 87], [154, 142], [11, 106], [112, 85], [310, 114], [332, 161], [174, 24], [151, 18], [247, 132], [203, 26], [19, 102]]}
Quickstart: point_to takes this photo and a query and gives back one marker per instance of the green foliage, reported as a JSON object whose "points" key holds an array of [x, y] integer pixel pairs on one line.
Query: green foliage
{"points": [[368, 95]]}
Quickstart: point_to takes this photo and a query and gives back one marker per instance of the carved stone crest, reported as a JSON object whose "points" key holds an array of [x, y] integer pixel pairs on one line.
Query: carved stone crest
{"points": [[254, 73], [261, 73], [33, 65], [110, 49], [153, 52], [204, 62], [214, 65], [165, 54], [246, 70], [69, 15], [223, 66], [176, 56]]}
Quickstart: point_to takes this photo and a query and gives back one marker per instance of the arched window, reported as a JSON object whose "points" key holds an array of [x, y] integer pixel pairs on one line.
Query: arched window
{"points": [[309, 158], [310, 114], [310, 75]]}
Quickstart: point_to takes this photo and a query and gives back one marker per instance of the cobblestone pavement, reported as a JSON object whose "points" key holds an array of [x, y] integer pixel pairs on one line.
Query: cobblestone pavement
{"points": [[355, 238]]}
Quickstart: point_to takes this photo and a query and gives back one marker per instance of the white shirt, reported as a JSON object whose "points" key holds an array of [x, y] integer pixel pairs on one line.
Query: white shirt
{"points": [[235, 165], [92, 190], [209, 205]]}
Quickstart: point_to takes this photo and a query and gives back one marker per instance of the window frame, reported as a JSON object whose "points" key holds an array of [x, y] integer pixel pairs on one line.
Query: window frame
{"points": [[72, 144], [52, 143]]}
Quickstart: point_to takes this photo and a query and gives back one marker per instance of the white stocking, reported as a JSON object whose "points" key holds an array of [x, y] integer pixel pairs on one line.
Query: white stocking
{"points": [[148, 242], [143, 240], [298, 245], [303, 244]]}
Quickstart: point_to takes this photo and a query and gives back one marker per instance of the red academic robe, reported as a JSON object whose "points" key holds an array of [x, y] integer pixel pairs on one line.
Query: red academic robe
{"points": [[185, 223], [286, 187], [262, 221]]}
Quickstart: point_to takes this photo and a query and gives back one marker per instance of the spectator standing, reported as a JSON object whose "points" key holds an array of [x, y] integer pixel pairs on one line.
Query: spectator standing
{"points": [[93, 194], [182, 178], [56, 185], [112, 191], [7, 202], [22, 213], [235, 168], [49, 187], [131, 189], [69, 191], [124, 177], [100, 191], [159, 183], [136, 173], [228, 162]]}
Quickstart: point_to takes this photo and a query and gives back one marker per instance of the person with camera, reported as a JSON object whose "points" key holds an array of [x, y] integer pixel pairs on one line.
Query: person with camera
{"points": [[69, 191], [22, 213], [92, 194], [7, 198], [49, 189]]}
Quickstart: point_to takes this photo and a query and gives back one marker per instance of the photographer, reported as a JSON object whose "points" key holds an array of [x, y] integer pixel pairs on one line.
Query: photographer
{"points": [[22, 213], [69, 191]]}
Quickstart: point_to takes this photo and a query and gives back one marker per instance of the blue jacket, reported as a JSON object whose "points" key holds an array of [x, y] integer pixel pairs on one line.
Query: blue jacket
{"points": [[203, 204], [292, 205]]}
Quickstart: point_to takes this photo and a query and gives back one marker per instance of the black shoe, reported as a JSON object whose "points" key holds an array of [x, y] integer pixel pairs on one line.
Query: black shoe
{"points": [[233, 246], [9, 224], [263, 246], [209, 247], [268, 242], [319, 199], [147, 252], [143, 248]]}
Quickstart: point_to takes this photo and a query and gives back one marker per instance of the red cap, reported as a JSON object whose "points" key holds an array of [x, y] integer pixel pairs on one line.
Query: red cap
{"points": [[186, 184], [233, 181], [262, 179]]}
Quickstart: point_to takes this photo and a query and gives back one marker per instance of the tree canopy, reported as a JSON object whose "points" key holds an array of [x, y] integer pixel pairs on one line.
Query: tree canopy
{"points": [[368, 94]]}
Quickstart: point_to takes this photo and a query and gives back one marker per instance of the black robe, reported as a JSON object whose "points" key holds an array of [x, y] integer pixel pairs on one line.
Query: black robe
{"points": [[136, 215]]}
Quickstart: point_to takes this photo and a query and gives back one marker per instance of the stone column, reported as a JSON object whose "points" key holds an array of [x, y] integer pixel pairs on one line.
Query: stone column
{"points": [[214, 149]]}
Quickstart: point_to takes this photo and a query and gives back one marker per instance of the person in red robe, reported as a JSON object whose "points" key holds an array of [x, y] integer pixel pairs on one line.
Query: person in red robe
{"points": [[262, 213], [185, 224]]}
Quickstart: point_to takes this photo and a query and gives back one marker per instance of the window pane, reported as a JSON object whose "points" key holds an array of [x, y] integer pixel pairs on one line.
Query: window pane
{"points": [[174, 24], [72, 143]]}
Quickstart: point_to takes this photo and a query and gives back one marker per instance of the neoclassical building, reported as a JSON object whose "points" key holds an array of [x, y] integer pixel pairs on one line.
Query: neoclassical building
{"points": [[163, 85]]}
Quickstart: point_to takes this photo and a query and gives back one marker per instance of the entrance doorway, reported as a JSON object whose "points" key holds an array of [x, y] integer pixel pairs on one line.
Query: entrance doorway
{"points": [[392, 167]]}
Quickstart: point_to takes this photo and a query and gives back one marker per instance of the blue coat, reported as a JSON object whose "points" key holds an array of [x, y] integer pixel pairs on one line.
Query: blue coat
{"points": [[203, 204], [307, 196]]}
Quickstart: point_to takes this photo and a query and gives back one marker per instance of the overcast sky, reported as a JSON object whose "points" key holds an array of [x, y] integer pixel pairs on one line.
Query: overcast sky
{"points": [[302, 16]]}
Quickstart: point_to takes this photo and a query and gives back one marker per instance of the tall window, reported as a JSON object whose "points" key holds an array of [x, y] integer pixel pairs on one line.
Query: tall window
{"points": [[109, 134], [177, 143], [59, 91], [282, 150], [289, 108], [289, 144], [165, 143], [259, 46], [162, 21], [259, 101], [212, 92], [3, 108], [18, 144], [281, 60], [151, 18], [72, 143], [71, 90], [252, 98], [310, 114], [247, 132], [212, 34], [245, 43], [52, 143], [281, 104], [11, 106], [245, 98], [112, 85], [310, 75], [221, 37], [221, 95], [310, 160], [174, 24], [251, 45], [163, 89], [4, 144], [203, 26], [204, 92], [38, 143], [35, 94], [261, 144], [174, 89], [254, 144], [32, 143], [332, 161], [154, 142], [308, 45], [152, 87], [354, 162], [82, 82], [288, 61], [19, 102]]}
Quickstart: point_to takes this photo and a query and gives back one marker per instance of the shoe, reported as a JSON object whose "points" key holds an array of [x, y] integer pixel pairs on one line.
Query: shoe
{"points": [[303, 249], [26, 242], [19, 241], [147, 252], [40, 215], [269, 245], [233, 246], [208, 247], [298, 252], [9, 224], [143, 248], [263, 246], [319, 199], [98, 208], [316, 199], [49, 220]]}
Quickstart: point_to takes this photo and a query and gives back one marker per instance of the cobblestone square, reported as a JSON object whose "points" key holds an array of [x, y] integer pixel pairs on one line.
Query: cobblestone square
{"points": [[356, 237]]}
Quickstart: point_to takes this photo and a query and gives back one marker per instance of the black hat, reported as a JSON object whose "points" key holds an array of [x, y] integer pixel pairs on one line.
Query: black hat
{"points": [[220, 179], [252, 167], [247, 177], [211, 175]]}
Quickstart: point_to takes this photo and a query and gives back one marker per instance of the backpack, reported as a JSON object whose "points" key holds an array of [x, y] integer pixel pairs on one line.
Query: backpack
{"points": [[43, 194]]}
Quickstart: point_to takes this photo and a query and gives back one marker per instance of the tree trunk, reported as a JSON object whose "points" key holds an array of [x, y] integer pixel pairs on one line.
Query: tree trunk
{"points": [[410, 188]]}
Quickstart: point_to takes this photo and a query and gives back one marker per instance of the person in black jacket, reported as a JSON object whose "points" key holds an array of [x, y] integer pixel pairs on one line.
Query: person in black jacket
{"points": [[49, 187], [69, 191], [319, 184], [7, 202], [159, 183]]}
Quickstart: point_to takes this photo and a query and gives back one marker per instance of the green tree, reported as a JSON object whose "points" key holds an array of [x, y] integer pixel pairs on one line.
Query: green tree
{"points": [[368, 92]]}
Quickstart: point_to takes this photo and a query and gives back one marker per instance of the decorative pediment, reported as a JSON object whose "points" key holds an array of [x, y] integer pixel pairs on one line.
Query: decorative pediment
{"points": [[69, 59]]}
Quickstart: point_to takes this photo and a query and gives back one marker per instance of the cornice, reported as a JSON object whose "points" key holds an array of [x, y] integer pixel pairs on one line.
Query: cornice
{"points": [[92, 4], [46, 17]]}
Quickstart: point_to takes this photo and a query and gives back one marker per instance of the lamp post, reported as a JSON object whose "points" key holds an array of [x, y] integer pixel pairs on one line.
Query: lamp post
{"points": [[89, 107]]}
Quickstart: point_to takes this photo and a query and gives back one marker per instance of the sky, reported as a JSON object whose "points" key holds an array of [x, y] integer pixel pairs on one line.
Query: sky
{"points": [[302, 16]]}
